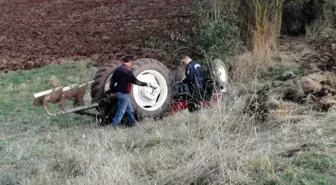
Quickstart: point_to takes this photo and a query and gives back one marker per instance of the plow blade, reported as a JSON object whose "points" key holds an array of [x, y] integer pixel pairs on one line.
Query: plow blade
{"points": [[78, 110], [60, 95]]}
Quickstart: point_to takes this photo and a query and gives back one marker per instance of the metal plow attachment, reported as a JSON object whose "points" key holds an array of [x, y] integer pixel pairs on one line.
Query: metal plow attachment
{"points": [[60, 95]]}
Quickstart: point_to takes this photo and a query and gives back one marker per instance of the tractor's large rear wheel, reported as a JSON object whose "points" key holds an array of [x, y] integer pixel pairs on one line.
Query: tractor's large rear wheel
{"points": [[99, 87], [146, 101]]}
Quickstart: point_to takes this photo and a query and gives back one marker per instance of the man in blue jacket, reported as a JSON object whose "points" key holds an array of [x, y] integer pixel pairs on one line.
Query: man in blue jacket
{"points": [[194, 78], [121, 83]]}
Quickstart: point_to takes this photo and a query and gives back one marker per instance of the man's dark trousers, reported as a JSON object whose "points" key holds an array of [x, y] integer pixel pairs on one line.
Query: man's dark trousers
{"points": [[124, 105]]}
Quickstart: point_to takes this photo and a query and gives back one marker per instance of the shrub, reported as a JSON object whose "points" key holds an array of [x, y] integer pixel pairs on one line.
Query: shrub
{"points": [[314, 18], [330, 12], [217, 39]]}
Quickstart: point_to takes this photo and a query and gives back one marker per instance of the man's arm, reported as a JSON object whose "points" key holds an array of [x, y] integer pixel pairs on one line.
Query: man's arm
{"points": [[198, 71], [135, 81]]}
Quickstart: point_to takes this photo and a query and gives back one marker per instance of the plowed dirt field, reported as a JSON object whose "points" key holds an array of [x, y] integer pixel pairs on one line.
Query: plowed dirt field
{"points": [[34, 33]]}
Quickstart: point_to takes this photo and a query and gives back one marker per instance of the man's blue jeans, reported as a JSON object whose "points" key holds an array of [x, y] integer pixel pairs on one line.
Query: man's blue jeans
{"points": [[124, 105]]}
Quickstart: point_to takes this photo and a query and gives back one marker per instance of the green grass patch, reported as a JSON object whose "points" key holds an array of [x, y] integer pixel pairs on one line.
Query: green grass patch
{"points": [[17, 88], [308, 169], [282, 71]]}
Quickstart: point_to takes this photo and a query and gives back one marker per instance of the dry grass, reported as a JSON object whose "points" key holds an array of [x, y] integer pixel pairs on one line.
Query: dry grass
{"points": [[248, 66], [216, 146]]}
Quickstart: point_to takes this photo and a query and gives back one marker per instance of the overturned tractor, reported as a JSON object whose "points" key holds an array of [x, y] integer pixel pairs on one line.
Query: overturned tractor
{"points": [[168, 98]]}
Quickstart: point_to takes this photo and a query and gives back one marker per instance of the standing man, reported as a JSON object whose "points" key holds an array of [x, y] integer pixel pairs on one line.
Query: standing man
{"points": [[121, 83], [194, 78]]}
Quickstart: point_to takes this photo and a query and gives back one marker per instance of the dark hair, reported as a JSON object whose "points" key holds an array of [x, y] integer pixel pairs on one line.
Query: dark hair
{"points": [[128, 58]]}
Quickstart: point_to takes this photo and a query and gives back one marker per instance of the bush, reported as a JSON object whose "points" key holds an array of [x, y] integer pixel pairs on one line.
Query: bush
{"points": [[314, 18], [330, 12], [218, 39]]}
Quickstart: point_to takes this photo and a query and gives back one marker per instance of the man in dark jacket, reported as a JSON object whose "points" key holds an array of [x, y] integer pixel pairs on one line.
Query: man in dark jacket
{"points": [[194, 78], [121, 83]]}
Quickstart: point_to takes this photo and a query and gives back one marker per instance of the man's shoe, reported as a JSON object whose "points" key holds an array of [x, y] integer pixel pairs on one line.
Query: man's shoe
{"points": [[114, 126]]}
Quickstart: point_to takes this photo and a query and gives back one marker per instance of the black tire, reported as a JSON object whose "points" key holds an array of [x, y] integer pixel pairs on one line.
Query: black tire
{"points": [[141, 65], [99, 81], [194, 107], [178, 73]]}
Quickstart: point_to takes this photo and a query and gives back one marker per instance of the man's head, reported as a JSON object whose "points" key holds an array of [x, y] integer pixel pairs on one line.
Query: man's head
{"points": [[128, 60], [186, 60]]}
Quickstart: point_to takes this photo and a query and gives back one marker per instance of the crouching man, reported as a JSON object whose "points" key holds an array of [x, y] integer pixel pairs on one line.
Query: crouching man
{"points": [[194, 78], [121, 83]]}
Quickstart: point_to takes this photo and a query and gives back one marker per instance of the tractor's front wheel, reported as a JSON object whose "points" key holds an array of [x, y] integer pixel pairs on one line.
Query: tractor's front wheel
{"points": [[220, 75]]}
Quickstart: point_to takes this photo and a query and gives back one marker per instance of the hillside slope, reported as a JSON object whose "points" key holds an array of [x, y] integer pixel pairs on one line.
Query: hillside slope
{"points": [[222, 145]]}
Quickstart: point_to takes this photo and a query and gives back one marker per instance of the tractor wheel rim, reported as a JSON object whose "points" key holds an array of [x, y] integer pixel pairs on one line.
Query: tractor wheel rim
{"points": [[222, 74], [148, 98], [107, 84]]}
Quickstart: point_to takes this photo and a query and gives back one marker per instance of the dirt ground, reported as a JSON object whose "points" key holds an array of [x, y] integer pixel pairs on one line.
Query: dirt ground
{"points": [[34, 33]]}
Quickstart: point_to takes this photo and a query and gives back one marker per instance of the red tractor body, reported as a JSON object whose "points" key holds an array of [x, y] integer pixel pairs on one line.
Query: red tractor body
{"points": [[178, 106]]}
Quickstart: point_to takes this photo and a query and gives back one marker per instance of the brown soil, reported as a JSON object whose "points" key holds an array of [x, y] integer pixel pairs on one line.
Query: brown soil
{"points": [[322, 57], [34, 33], [316, 83]]}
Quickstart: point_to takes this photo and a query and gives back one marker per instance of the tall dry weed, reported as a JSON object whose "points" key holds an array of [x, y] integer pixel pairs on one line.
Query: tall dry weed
{"points": [[266, 26], [248, 66]]}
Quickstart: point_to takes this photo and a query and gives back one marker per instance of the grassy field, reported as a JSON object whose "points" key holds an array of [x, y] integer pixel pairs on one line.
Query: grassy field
{"points": [[217, 146]]}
